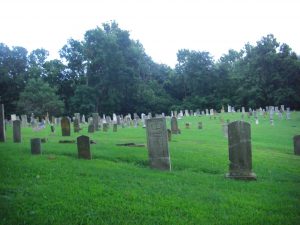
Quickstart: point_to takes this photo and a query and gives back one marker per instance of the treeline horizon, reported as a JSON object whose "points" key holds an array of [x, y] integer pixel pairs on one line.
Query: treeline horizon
{"points": [[108, 72]]}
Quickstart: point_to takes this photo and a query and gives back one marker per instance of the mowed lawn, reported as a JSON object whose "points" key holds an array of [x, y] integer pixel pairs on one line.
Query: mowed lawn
{"points": [[118, 187]]}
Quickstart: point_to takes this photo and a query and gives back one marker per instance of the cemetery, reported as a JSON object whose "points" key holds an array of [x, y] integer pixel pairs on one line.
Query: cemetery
{"points": [[222, 167]]}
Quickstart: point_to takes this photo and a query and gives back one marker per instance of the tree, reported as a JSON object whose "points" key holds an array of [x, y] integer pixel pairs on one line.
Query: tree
{"points": [[39, 98]]}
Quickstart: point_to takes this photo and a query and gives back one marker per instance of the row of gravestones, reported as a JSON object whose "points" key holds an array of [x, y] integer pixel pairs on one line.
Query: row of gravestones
{"points": [[239, 141]]}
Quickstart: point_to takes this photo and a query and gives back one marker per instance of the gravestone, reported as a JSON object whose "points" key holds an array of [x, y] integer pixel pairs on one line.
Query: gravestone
{"points": [[169, 135], [65, 126], [76, 124], [174, 125], [200, 125], [91, 128], [17, 131], [105, 127], [2, 124], [240, 152], [52, 128], [35, 146], [24, 120], [297, 145], [96, 121], [115, 128], [83, 147], [157, 143]]}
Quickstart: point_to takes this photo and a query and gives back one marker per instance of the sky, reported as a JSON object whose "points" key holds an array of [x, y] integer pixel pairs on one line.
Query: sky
{"points": [[162, 26]]}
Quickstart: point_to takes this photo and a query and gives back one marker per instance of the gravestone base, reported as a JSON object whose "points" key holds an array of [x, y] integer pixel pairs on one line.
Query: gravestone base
{"points": [[241, 176], [162, 163]]}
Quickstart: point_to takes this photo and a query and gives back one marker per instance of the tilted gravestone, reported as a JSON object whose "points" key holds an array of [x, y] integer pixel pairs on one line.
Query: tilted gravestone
{"points": [[65, 127], [17, 131], [157, 143], [2, 124], [35, 146], [174, 125], [83, 147], [297, 145], [240, 152]]}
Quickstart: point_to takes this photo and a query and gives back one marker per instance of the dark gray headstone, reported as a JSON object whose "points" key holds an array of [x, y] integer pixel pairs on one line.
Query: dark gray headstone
{"points": [[157, 143], [83, 147], [115, 128], [17, 131], [65, 126], [91, 128], [240, 152], [96, 120], [174, 125], [35, 146], [297, 145], [2, 124]]}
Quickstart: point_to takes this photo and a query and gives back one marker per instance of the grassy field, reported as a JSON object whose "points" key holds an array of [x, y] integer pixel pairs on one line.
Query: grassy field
{"points": [[118, 187]]}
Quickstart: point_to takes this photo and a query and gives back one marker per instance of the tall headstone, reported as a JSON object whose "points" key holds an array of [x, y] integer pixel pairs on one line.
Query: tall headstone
{"points": [[2, 124], [65, 126], [174, 125], [35, 146], [240, 152], [76, 124], [297, 145], [96, 120], [157, 143], [91, 127], [83, 147], [17, 131]]}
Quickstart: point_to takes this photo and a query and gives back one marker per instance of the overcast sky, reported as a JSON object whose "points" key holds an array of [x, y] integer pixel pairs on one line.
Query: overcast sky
{"points": [[162, 26]]}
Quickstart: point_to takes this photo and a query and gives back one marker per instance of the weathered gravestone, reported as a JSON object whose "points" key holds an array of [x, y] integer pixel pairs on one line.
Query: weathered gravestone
{"points": [[297, 145], [174, 125], [115, 127], [2, 124], [240, 152], [157, 143], [96, 120], [76, 125], [17, 131], [35, 146], [91, 128], [65, 126], [83, 147]]}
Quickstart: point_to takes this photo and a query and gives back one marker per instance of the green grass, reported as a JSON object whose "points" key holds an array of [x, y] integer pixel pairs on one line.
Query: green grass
{"points": [[118, 187]]}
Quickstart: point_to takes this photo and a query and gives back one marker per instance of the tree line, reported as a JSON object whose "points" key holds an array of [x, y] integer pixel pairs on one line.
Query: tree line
{"points": [[109, 72]]}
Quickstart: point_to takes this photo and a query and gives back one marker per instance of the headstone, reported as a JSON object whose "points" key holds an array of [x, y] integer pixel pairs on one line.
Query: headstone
{"points": [[2, 124], [174, 125], [96, 120], [91, 128], [240, 152], [225, 129], [115, 127], [83, 147], [35, 146], [52, 128], [13, 117], [17, 131], [169, 135], [83, 119], [65, 126], [297, 145], [200, 125], [76, 125], [24, 120], [157, 143], [105, 127]]}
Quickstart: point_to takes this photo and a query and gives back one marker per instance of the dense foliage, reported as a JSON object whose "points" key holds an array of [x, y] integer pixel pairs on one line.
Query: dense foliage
{"points": [[109, 72]]}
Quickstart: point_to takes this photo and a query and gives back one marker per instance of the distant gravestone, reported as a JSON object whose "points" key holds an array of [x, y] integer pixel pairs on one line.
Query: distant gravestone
{"points": [[35, 146], [83, 147], [297, 145], [115, 128], [200, 125], [96, 120], [169, 135], [240, 152], [2, 124], [174, 125], [225, 129], [76, 124], [17, 131], [105, 127], [91, 128], [157, 143], [65, 126]]}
